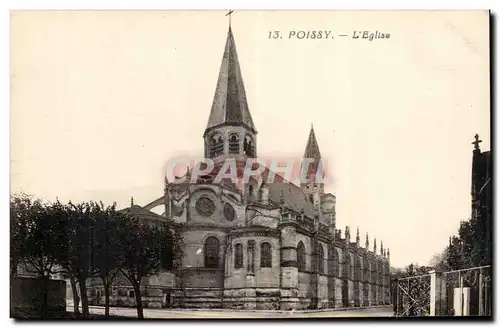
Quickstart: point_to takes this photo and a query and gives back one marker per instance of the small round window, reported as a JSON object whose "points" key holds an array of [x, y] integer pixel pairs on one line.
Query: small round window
{"points": [[205, 206], [229, 212]]}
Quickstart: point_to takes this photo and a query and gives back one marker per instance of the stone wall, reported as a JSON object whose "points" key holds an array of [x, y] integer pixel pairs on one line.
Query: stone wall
{"points": [[26, 298]]}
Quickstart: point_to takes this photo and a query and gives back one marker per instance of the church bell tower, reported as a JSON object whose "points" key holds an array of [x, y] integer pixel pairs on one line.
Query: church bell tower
{"points": [[230, 131], [312, 170]]}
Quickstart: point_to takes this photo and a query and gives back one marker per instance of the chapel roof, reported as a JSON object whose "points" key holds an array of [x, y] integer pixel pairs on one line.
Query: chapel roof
{"points": [[142, 214]]}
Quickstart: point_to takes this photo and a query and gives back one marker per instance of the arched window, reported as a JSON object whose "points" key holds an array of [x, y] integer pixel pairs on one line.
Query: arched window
{"points": [[347, 266], [334, 262], [248, 146], [212, 252], [366, 269], [351, 268], [301, 257], [216, 145], [358, 273], [380, 273], [321, 256], [238, 256], [234, 144], [266, 258], [374, 272]]}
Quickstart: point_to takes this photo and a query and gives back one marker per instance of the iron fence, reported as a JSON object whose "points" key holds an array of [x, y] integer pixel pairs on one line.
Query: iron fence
{"points": [[466, 292], [413, 296]]}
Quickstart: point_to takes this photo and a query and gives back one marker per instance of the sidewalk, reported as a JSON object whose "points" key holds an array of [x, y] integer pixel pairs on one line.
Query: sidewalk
{"points": [[250, 310]]}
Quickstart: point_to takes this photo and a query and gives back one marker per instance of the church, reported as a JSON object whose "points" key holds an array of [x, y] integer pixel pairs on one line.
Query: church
{"points": [[256, 245]]}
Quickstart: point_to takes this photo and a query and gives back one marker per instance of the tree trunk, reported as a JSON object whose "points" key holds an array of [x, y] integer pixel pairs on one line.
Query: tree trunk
{"points": [[76, 299], [106, 298], [138, 300], [83, 295], [44, 296], [13, 268]]}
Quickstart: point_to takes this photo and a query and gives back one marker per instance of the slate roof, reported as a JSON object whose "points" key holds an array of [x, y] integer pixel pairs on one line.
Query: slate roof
{"points": [[142, 213], [312, 148], [230, 103], [294, 197]]}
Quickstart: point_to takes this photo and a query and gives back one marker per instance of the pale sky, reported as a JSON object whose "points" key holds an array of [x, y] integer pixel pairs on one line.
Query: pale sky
{"points": [[101, 100]]}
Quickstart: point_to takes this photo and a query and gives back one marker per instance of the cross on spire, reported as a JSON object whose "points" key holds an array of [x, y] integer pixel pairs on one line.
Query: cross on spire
{"points": [[229, 13], [476, 142]]}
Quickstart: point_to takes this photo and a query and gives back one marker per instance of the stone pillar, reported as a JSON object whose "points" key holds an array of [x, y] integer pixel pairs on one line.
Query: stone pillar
{"points": [[357, 285], [251, 257], [314, 276], [388, 286], [368, 302], [250, 295], [226, 144], [289, 280], [373, 289], [481, 292], [331, 275], [435, 293]]}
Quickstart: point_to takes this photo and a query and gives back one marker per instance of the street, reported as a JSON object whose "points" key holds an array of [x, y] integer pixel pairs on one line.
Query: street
{"points": [[384, 311]]}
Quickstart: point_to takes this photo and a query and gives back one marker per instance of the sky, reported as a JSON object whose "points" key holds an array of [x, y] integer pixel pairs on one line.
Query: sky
{"points": [[101, 100]]}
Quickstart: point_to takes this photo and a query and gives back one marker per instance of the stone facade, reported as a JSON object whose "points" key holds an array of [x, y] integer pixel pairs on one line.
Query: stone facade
{"points": [[256, 245], [258, 265]]}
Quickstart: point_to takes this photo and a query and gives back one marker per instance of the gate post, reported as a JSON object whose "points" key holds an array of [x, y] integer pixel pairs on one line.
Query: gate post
{"points": [[435, 293], [481, 297]]}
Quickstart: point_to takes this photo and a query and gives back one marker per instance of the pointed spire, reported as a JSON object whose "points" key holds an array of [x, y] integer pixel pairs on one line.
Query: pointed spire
{"points": [[367, 242], [388, 254], [313, 167], [357, 236], [230, 104], [131, 201], [381, 247], [375, 246], [312, 148]]}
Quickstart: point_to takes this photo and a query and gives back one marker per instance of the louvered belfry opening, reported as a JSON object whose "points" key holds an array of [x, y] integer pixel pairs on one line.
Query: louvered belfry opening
{"points": [[216, 145], [234, 144]]}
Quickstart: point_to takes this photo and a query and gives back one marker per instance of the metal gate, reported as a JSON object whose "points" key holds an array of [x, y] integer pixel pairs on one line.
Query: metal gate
{"points": [[413, 296], [465, 292]]}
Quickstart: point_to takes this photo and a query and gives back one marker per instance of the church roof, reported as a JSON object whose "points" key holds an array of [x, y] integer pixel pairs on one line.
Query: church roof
{"points": [[230, 103], [312, 148], [142, 213], [294, 198]]}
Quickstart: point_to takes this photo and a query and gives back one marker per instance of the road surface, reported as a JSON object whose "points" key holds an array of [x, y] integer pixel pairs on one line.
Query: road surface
{"points": [[384, 311]]}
